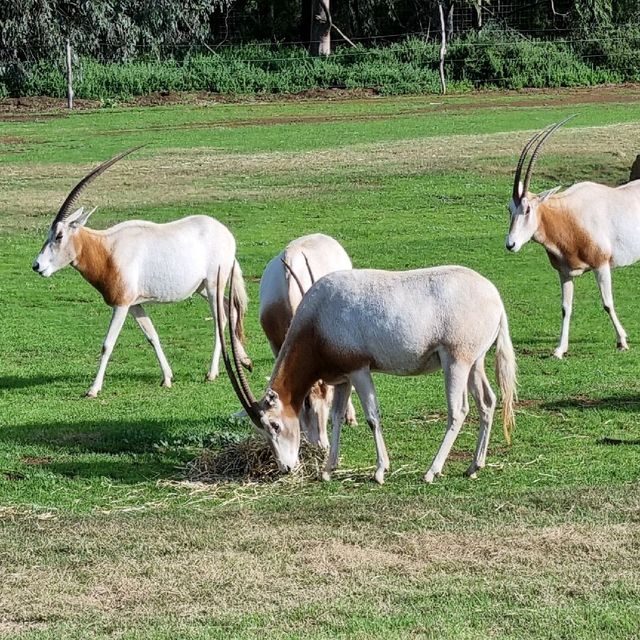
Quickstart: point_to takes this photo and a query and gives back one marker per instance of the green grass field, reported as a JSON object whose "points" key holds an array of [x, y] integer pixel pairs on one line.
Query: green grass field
{"points": [[101, 536]]}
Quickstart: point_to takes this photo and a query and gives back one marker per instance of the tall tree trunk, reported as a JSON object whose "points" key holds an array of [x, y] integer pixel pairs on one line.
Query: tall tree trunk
{"points": [[321, 32]]}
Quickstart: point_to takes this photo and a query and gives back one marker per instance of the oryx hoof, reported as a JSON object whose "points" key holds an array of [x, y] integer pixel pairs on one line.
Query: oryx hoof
{"points": [[92, 393], [326, 476], [559, 353], [379, 475], [210, 377], [431, 475], [166, 383], [623, 346], [472, 472]]}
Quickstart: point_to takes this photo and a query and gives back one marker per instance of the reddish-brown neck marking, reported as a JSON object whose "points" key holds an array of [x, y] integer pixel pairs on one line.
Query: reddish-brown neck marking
{"points": [[94, 261], [296, 370], [560, 231]]}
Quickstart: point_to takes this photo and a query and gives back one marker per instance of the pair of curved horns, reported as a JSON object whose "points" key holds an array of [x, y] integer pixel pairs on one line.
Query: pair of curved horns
{"points": [[538, 139], [295, 276], [65, 209], [238, 381]]}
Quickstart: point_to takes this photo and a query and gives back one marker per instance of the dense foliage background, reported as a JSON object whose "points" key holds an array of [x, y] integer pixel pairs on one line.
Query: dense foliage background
{"points": [[127, 47]]}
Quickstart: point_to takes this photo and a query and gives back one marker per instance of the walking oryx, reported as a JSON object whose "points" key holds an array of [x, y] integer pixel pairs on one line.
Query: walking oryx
{"points": [[586, 227], [353, 322], [304, 259], [137, 261]]}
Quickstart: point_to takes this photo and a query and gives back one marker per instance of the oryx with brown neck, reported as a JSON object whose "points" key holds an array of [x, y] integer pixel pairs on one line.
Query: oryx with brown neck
{"points": [[354, 322], [283, 284], [137, 261], [587, 227]]}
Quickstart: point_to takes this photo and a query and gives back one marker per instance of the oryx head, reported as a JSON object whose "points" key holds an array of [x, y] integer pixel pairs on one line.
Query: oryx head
{"points": [[524, 205], [59, 250], [273, 419]]}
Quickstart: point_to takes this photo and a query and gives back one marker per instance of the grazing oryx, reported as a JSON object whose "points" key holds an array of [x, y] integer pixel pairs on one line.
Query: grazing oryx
{"points": [[353, 322], [137, 261], [303, 260], [586, 227]]}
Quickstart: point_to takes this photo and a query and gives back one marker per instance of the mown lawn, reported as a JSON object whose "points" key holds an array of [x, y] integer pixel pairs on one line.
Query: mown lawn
{"points": [[100, 533]]}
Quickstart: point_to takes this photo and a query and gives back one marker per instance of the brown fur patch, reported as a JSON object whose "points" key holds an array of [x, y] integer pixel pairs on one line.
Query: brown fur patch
{"points": [[97, 266], [559, 228], [275, 322], [306, 359]]}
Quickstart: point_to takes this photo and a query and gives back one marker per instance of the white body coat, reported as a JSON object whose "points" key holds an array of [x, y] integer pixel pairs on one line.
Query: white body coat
{"points": [[280, 296], [587, 227], [136, 262]]}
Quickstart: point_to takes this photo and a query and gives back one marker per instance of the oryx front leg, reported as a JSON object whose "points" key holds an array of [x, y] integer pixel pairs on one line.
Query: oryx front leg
{"points": [[341, 394], [485, 400], [566, 285], [456, 376], [366, 391], [603, 278], [144, 322], [117, 320]]}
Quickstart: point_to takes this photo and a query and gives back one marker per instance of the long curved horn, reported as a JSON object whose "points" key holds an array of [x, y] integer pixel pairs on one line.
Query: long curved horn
{"points": [[516, 180], [234, 350], [536, 151], [313, 280], [65, 209], [293, 275], [246, 404]]}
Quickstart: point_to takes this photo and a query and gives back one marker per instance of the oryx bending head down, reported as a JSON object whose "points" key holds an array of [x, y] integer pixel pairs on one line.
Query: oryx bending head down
{"points": [[353, 322], [586, 227], [138, 261], [284, 282]]}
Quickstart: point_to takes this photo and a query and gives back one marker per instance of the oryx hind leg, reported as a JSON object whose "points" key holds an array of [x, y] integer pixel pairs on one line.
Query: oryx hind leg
{"points": [[115, 326], [144, 322], [456, 377], [485, 400], [209, 291], [603, 278]]}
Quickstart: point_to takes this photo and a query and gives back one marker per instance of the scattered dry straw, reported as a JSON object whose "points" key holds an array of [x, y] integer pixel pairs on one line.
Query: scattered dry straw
{"points": [[252, 460]]}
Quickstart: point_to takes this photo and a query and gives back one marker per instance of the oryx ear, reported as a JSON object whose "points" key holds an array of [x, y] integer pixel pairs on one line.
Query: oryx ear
{"points": [[547, 194], [271, 398], [79, 218]]}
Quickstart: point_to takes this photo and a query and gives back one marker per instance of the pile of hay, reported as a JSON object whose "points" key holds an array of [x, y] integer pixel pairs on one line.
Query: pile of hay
{"points": [[252, 460]]}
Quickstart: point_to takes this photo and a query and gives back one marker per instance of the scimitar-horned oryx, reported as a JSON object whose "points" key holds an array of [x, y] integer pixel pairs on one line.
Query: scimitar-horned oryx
{"points": [[135, 262], [353, 322], [283, 284], [587, 227]]}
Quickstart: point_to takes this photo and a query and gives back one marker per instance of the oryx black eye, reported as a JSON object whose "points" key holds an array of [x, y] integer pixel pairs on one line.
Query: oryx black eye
{"points": [[59, 236], [275, 426]]}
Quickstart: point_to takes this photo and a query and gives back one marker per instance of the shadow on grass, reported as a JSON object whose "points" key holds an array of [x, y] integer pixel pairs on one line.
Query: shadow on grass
{"points": [[80, 381], [112, 436], [629, 402]]}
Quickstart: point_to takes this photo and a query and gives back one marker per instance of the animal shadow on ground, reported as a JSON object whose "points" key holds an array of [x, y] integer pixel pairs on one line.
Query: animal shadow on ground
{"points": [[120, 449], [630, 402], [76, 382]]}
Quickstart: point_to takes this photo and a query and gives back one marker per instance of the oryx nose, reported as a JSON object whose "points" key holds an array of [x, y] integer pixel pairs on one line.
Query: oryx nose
{"points": [[36, 267], [510, 245]]}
